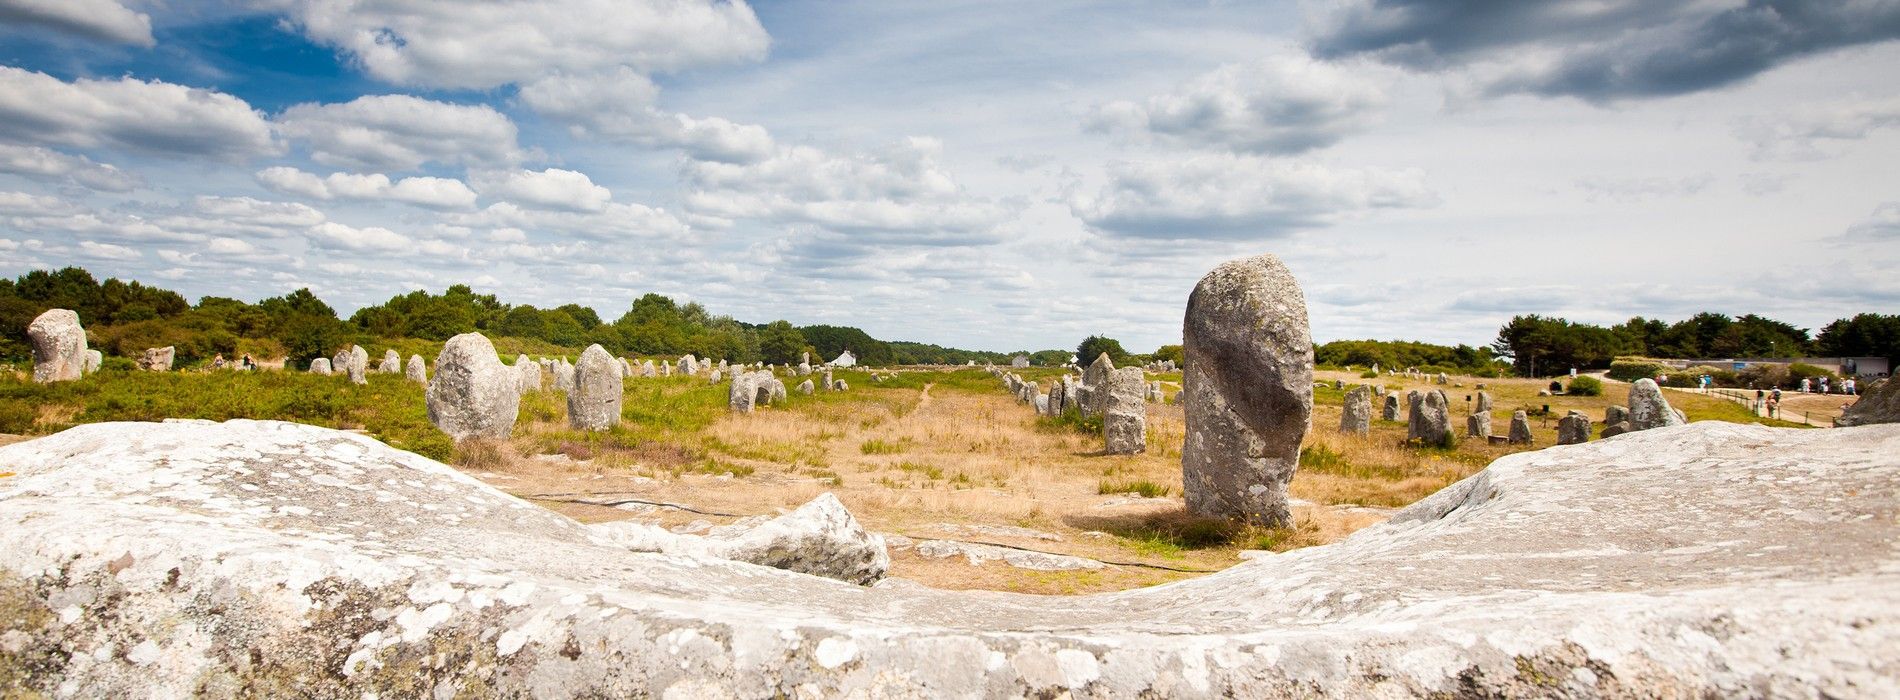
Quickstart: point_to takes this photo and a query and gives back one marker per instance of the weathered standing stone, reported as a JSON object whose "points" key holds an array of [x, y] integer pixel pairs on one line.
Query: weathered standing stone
{"points": [[1614, 414], [59, 346], [1391, 409], [742, 393], [1520, 428], [416, 371], [841, 385], [1042, 404], [1125, 415], [94, 360], [806, 388], [392, 363], [1247, 390], [158, 359], [1478, 425], [648, 370], [1648, 408], [359, 365], [563, 376], [1573, 429], [320, 365], [1430, 422], [1356, 417], [472, 393], [1095, 384], [1484, 403], [594, 402], [528, 373], [1879, 403]]}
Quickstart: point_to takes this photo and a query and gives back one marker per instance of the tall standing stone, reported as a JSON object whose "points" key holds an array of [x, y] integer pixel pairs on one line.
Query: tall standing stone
{"points": [[1125, 414], [359, 365], [416, 371], [59, 346], [1355, 418], [1247, 390], [472, 393], [392, 363], [1095, 384], [1391, 410], [1648, 408], [1520, 428], [158, 359], [1573, 429], [594, 401]]}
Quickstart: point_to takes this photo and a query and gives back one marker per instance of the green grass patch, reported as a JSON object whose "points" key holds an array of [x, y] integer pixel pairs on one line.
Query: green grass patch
{"points": [[875, 446], [1147, 489]]}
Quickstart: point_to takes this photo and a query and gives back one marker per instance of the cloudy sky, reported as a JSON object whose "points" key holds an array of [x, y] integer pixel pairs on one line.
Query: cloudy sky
{"points": [[995, 175]]}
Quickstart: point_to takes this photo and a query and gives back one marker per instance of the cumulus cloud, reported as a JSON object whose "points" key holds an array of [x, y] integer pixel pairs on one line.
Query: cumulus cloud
{"points": [[1284, 105], [898, 193], [615, 221], [33, 205], [337, 236], [485, 45], [1599, 51], [48, 164], [1811, 131], [618, 105], [96, 19], [553, 188], [430, 192], [129, 114], [401, 132], [1231, 197], [107, 251]]}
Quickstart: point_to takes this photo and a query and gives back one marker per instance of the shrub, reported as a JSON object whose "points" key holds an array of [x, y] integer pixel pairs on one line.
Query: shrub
{"points": [[1799, 371], [1629, 370], [1765, 377], [1585, 386]]}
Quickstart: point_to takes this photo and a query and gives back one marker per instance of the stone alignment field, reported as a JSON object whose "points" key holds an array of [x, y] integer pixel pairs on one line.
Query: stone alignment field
{"points": [[203, 558]]}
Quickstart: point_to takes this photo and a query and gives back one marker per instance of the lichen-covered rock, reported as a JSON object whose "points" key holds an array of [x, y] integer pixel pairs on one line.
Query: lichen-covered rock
{"points": [[1095, 384], [1430, 419], [1573, 428], [1125, 413], [59, 346], [742, 393], [1478, 425], [594, 402], [472, 393], [416, 371], [320, 365], [820, 538], [1247, 390], [178, 559], [1880, 403], [1356, 416], [1648, 408], [158, 359], [1520, 428]]}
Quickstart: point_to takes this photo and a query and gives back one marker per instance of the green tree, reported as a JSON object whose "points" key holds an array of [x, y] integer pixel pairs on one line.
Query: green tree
{"points": [[780, 343], [1094, 345]]}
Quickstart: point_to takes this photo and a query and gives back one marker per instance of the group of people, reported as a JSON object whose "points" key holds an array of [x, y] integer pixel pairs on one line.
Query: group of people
{"points": [[1768, 403], [1819, 385]]}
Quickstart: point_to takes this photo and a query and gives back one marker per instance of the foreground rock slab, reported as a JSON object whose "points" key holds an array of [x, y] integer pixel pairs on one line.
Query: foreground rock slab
{"points": [[181, 559]]}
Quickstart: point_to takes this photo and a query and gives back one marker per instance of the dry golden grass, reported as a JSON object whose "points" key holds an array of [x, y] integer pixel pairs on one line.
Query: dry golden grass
{"points": [[942, 448]]}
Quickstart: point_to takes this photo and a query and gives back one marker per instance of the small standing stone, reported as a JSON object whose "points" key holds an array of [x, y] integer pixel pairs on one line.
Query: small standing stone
{"points": [[1648, 409], [528, 372], [1484, 403], [158, 359], [1356, 417], [94, 360], [563, 376], [1478, 425], [1391, 410], [416, 371], [392, 363], [806, 387], [1520, 428], [741, 393], [1431, 419], [1614, 414], [359, 365], [1573, 429], [320, 365]]}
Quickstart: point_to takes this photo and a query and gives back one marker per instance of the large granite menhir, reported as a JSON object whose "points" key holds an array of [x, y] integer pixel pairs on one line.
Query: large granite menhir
{"points": [[1247, 390], [594, 401], [472, 393], [59, 346], [196, 558]]}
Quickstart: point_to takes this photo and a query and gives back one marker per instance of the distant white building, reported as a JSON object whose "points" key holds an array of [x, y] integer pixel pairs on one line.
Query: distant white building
{"points": [[845, 359]]}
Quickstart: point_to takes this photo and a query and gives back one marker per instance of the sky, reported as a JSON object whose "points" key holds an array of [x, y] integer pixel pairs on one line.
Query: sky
{"points": [[985, 175]]}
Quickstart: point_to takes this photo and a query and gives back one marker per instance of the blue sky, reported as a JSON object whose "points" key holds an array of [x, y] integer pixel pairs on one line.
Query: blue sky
{"points": [[981, 174]]}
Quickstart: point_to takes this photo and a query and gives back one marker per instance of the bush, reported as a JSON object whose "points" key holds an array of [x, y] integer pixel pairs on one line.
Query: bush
{"points": [[1765, 377], [1632, 370], [1585, 386], [1799, 371]]}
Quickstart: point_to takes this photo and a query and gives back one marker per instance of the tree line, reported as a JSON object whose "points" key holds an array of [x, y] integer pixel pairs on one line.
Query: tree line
{"points": [[1541, 345]]}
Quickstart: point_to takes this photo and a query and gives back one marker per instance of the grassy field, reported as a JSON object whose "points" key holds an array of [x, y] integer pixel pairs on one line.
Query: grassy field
{"points": [[927, 453]]}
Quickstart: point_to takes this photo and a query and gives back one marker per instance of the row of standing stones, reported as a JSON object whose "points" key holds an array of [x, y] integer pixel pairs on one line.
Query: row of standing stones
{"points": [[1116, 395], [1428, 420]]}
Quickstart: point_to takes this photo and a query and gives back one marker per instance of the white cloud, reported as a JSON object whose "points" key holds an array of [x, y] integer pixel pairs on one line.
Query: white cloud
{"points": [[1229, 197], [1808, 132], [614, 221], [47, 164], [431, 192], [130, 114], [401, 132], [618, 105], [1883, 225], [1284, 104], [553, 188], [485, 45], [331, 234], [899, 193], [107, 251], [98, 19], [33, 205]]}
